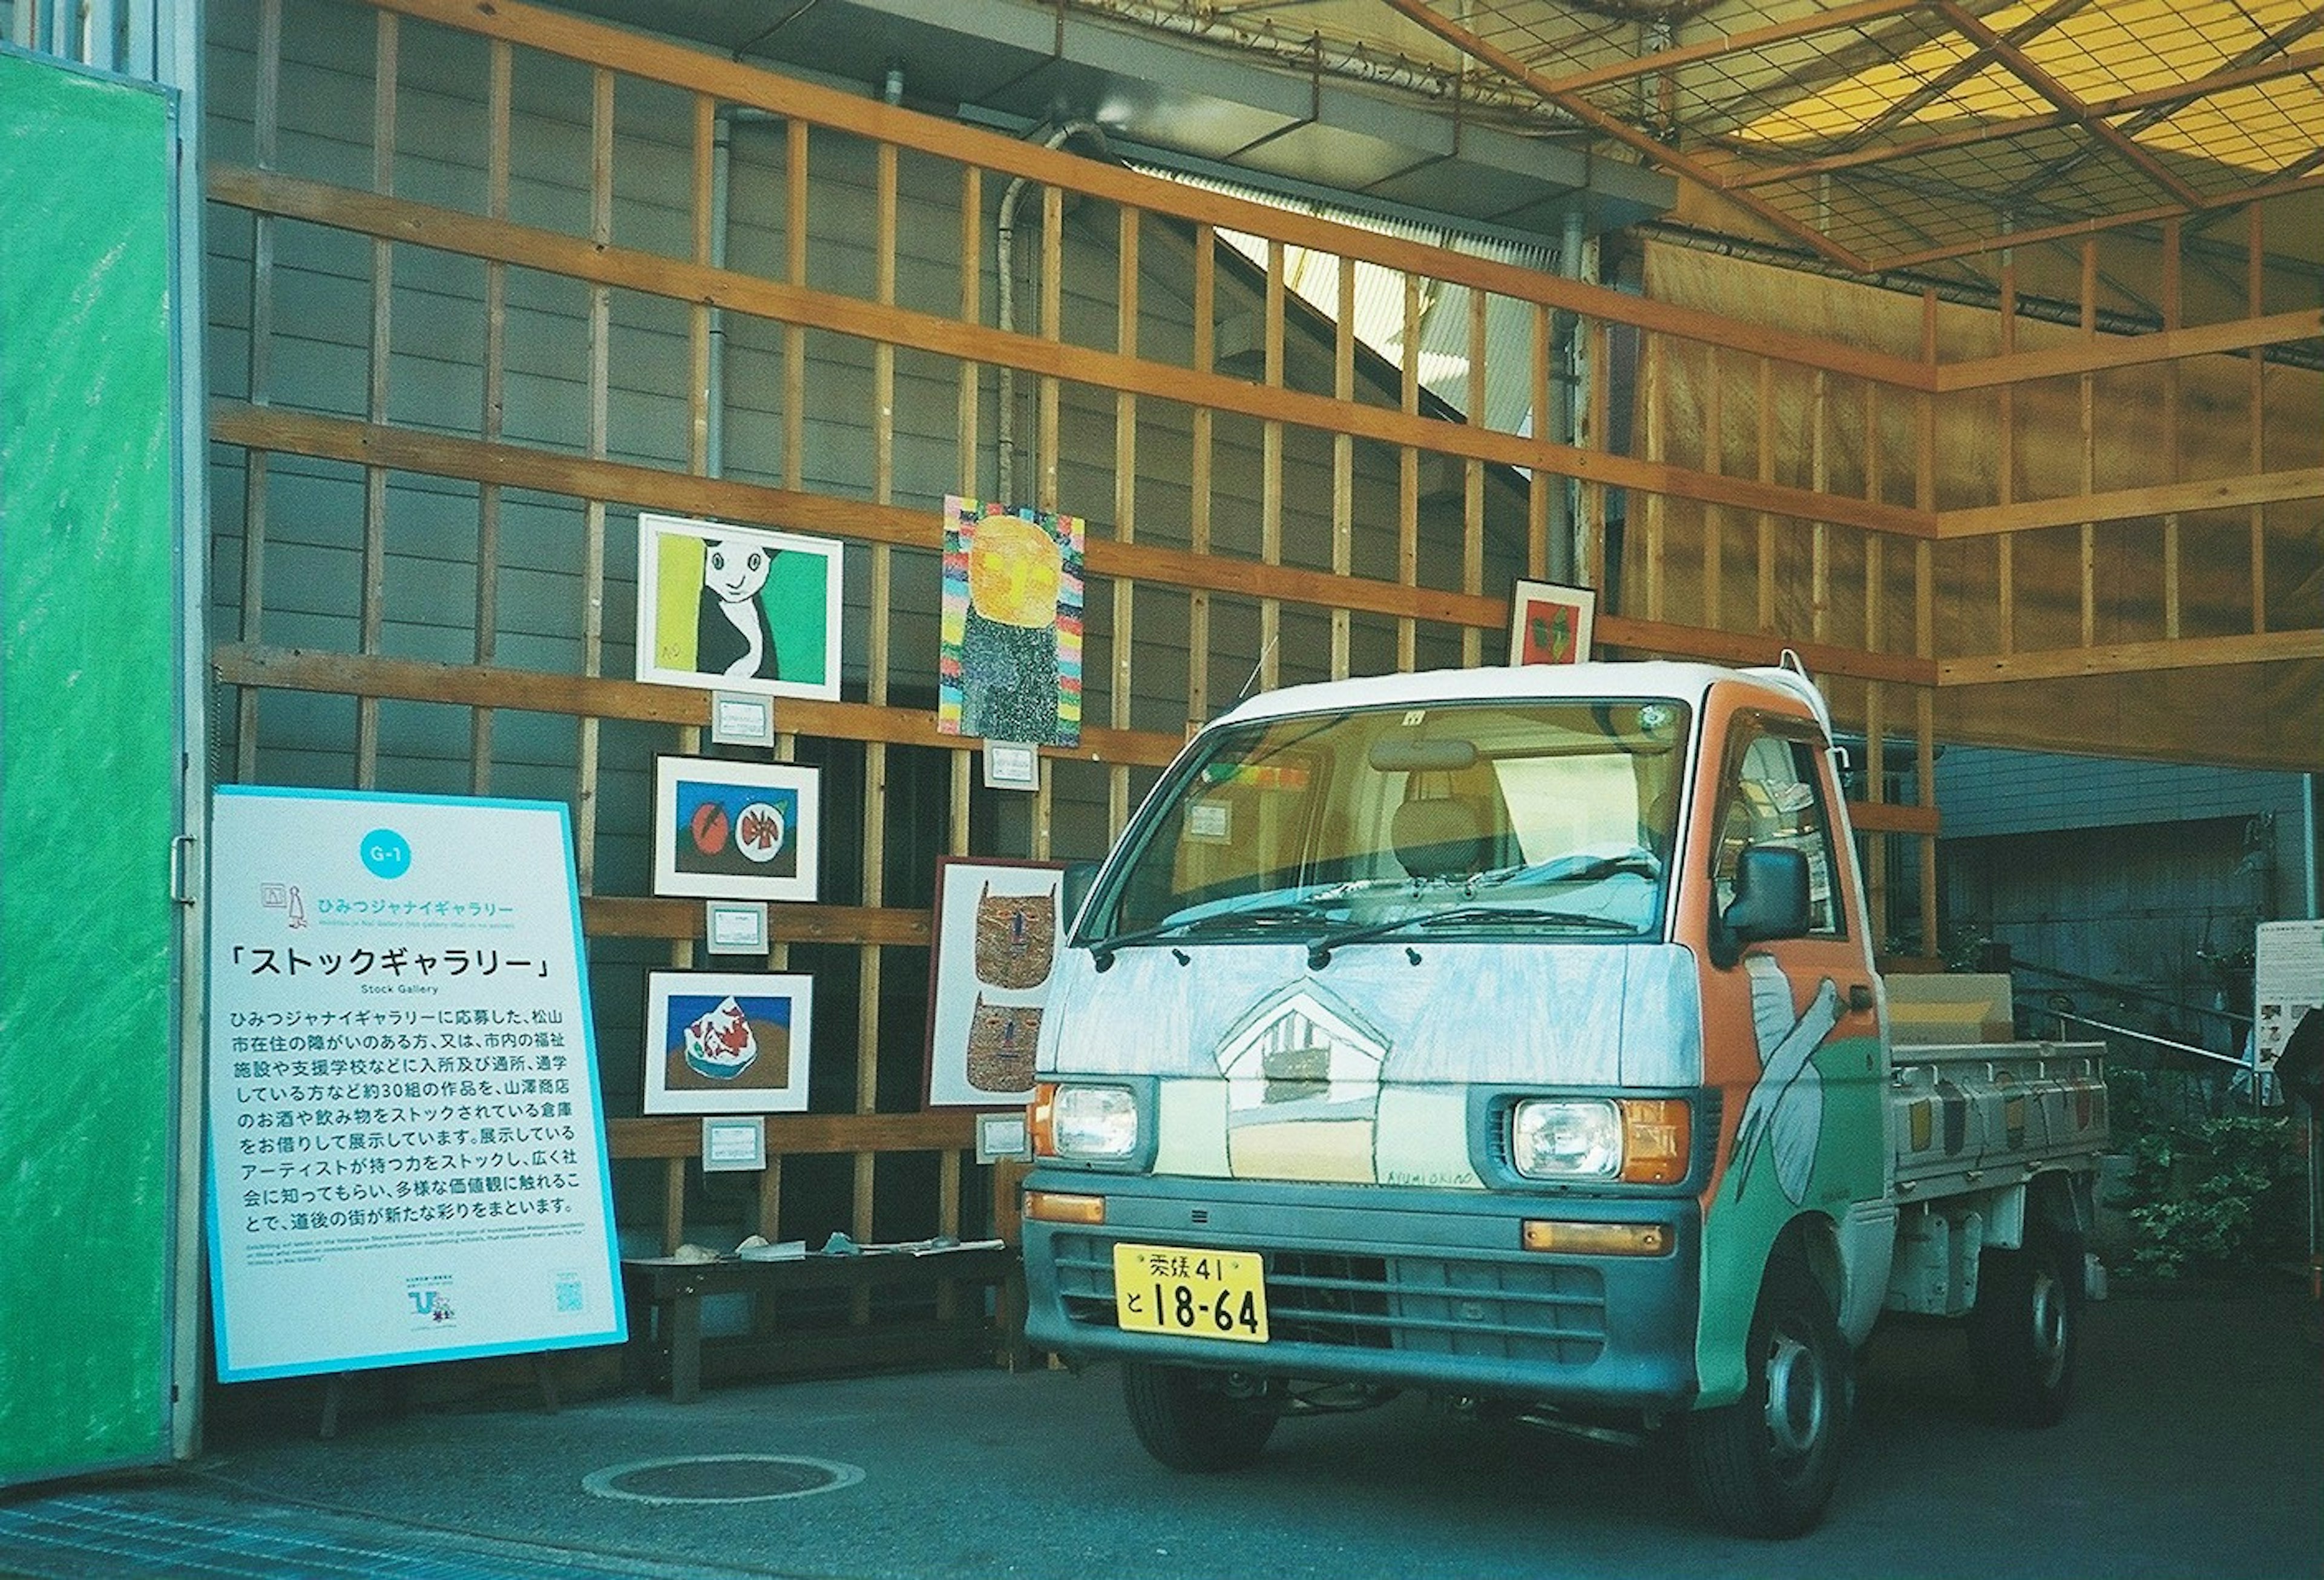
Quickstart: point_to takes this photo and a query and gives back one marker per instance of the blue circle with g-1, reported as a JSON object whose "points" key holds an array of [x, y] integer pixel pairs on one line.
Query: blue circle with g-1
{"points": [[386, 853]]}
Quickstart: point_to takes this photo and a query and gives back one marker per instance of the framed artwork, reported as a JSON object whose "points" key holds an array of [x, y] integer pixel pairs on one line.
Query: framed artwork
{"points": [[725, 1043], [737, 608], [999, 927], [1550, 624], [1010, 663], [731, 830]]}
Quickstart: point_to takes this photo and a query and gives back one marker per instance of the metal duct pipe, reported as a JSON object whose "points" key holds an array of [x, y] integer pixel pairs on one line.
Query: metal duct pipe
{"points": [[1570, 365], [721, 176], [1003, 266], [1348, 60]]}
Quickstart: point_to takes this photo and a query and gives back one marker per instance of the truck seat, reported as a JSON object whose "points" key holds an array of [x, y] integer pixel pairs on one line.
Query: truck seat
{"points": [[1442, 837]]}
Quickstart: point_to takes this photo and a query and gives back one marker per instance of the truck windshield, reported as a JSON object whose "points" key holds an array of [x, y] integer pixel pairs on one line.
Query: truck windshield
{"points": [[1492, 819]]}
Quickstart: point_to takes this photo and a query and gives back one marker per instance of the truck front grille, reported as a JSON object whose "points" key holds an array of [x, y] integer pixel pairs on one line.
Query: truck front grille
{"points": [[1533, 1310]]}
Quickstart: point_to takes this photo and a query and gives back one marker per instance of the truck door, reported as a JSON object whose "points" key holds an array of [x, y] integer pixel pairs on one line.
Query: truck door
{"points": [[1808, 1122]]}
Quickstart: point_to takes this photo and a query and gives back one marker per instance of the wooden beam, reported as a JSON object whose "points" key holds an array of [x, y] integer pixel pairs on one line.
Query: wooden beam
{"points": [[2231, 200], [792, 1134], [694, 70], [2133, 503], [1888, 817], [678, 279], [2096, 355], [1824, 19], [629, 916], [593, 697], [1646, 147], [2132, 657], [272, 429], [1644, 635]]}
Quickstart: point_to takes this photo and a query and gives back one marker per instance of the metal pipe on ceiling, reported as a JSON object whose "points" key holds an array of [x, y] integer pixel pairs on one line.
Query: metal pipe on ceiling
{"points": [[1003, 268]]}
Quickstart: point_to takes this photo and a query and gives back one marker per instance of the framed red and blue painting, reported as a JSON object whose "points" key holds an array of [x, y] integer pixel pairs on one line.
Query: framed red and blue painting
{"points": [[719, 1042], [735, 831]]}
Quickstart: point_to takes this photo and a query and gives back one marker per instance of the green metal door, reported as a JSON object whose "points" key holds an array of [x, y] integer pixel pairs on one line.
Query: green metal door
{"points": [[91, 699]]}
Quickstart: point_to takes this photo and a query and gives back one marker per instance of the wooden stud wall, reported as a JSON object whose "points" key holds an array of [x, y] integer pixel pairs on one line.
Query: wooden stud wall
{"points": [[1437, 586]]}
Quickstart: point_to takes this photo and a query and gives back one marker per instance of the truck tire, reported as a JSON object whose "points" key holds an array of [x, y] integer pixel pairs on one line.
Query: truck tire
{"points": [[1765, 1465], [2025, 1329], [1188, 1421]]}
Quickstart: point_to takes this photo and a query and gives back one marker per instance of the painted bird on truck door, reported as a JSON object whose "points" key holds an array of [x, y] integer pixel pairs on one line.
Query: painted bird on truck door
{"points": [[1784, 1112]]}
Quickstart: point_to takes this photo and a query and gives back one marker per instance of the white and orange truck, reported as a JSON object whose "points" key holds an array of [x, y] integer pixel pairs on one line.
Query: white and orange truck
{"points": [[1513, 1034]]}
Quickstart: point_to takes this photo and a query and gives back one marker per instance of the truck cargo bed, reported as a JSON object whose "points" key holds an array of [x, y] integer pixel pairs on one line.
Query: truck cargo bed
{"points": [[1971, 1116]]}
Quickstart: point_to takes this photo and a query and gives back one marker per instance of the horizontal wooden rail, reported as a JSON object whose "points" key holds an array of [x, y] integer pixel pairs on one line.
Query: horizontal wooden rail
{"points": [[477, 685], [2132, 657], [279, 431], [1886, 817], [797, 1135], [274, 430], [1646, 636], [2102, 353], [692, 69], [622, 916], [397, 219], [2130, 504], [474, 685]]}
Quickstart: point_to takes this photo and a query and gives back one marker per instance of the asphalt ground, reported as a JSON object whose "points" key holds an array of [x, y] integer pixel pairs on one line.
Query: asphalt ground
{"points": [[2196, 1447]]}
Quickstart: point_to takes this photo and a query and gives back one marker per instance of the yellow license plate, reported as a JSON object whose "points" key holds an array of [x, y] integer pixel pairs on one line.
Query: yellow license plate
{"points": [[1190, 1294]]}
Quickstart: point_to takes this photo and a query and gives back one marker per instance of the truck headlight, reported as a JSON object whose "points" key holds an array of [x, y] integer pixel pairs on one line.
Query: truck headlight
{"points": [[1639, 1141], [1566, 1138], [1085, 1123]]}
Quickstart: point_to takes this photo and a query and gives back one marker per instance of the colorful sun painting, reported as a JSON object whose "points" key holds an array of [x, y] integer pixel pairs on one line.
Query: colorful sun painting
{"points": [[1011, 668]]}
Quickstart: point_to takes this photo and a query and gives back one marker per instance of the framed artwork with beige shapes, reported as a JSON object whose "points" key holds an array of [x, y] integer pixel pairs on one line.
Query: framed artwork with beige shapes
{"points": [[999, 927]]}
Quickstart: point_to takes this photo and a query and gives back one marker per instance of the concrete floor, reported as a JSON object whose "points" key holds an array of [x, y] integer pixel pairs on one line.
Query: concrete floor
{"points": [[2196, 1448]]}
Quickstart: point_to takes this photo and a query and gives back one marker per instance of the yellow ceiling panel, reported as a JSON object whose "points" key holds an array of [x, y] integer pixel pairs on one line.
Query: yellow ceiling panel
{"points": [[1991, 120]]}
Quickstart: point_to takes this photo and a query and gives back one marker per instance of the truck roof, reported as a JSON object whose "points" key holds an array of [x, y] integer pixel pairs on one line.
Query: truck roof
{"points": [[1683, 681]]}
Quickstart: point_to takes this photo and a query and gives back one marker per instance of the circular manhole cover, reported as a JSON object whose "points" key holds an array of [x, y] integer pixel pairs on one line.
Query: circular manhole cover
{"points": [[720, 1478]]}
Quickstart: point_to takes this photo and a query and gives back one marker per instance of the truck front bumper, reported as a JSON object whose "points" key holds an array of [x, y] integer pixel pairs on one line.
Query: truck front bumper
{"points": [[1400, 1287]]}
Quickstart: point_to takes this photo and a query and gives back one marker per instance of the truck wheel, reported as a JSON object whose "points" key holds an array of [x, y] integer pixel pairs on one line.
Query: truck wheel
{"points": [[1188, 1421], [1765, 1465], [2027, 1326]]}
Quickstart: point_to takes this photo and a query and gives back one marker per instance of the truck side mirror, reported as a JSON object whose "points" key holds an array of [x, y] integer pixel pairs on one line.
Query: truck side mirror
{"points": [[1771, 901]]}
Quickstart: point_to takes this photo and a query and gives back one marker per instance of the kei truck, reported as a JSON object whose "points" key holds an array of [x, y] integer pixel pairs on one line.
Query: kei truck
{"points": [[1513, 1035]]}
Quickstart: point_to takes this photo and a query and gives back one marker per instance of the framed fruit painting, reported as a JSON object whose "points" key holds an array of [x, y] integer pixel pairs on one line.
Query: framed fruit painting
{"points": [[735, 830]]}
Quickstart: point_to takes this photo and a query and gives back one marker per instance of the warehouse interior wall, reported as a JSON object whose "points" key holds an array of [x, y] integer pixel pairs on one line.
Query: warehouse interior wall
{"points": [[477, 298], [2154, 573]]}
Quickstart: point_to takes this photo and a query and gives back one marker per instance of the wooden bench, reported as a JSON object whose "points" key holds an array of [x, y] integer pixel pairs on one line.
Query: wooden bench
{"points": [[666, 1287], [675, 1289]]}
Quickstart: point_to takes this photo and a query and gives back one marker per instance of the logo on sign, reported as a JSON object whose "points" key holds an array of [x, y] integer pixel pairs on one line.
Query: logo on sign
{"points": [[386, 853], [430, 1305]]}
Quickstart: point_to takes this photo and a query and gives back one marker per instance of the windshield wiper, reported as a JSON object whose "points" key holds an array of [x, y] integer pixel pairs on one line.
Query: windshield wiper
{"points": [[1638, 862], [1103, 949], [1319, 951]]}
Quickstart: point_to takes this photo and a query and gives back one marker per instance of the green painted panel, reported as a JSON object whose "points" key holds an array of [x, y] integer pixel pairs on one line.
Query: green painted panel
{"points": [[89, 699]]}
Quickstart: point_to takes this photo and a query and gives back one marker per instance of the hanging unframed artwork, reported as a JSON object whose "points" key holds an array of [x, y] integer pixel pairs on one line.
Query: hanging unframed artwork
{"points": [[725, 1043], [737, 608], [999, 926], [1011, 662], [735, 829]]}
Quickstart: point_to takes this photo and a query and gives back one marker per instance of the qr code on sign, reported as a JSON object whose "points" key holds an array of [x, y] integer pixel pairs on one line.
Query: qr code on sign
{"points": [[568, 1293]]}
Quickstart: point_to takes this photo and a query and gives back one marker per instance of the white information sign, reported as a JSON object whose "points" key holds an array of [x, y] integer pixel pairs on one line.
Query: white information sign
{"points": [[2287, 982], [407, 1150]]}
